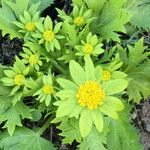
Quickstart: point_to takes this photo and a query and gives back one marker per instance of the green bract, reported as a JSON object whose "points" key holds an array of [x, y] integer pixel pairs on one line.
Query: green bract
{"points": [[90, 47], [47, 34], [88, 98]]}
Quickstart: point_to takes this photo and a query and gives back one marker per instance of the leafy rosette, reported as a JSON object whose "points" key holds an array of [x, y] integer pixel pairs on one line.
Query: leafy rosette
{"points": [[88, 98]]}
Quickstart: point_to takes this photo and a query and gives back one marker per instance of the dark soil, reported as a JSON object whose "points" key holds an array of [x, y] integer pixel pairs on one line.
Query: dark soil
{"points": [[10, 48]]}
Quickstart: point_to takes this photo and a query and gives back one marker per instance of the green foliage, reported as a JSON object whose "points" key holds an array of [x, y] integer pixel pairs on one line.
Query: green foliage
{"points": [[13, 115], [111, 21], [72, 72], [7, 15], [122, 134], [11, 10], [94, 141], [138, 74], [24, 139], [70, 130], [107, 23], [140, 9]]}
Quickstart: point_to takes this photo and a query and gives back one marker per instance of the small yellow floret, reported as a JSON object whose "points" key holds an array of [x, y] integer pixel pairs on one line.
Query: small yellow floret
{"points": [[48, 89], [88, 48], [19, 79], [33, 59], [79, 21], [106, 75], [49, 35], [90, 94], [30, 26]]}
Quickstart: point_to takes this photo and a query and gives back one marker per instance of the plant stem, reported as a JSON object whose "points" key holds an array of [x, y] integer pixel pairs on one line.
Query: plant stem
{"points": [[60, 68], [45, 126]]}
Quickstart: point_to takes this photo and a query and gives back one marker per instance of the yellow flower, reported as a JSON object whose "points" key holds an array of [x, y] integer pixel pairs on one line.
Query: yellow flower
{"points": [[48, 89], [19, 79], [79, 21], [88, 48], [30, 26], [33, 59], [106, 75], [90, 94], [49, 35]]}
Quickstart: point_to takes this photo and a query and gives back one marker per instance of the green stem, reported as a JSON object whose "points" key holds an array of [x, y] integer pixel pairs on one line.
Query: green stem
{"points": [[45, 126], [60, 68]]}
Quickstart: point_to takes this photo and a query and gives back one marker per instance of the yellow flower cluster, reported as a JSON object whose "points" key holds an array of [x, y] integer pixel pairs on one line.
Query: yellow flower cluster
{"points": [[90, 94]]}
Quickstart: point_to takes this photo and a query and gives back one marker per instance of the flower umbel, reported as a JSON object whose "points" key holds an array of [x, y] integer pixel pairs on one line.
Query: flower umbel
{"points": [[90, 94]]}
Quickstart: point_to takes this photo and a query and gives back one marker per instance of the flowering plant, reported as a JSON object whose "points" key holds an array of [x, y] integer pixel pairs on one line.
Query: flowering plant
{"points": [[68, 75]]}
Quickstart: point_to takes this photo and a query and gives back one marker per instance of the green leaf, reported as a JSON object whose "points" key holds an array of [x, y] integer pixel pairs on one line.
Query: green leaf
{"points": [[7, 15], [13, 116], [139, 84], [2, 68], [89, 68], [70, 130], [36, 115], [85, 123], [137, 55], [17, 98], [95, 5], [115, 86], [122, 135], [25, 139], [97, 120], [18, 6], [65, 108], [140, 10], [71, 33], [66, 84], [137, 66], [109, 22], [43, 3], [93, 141], [77, 73]]}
